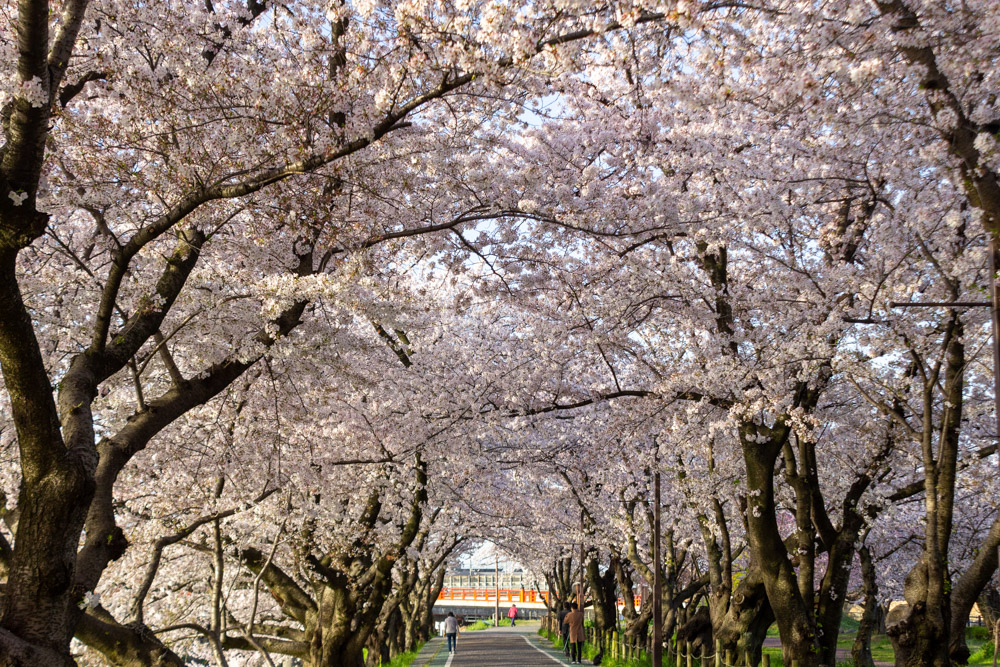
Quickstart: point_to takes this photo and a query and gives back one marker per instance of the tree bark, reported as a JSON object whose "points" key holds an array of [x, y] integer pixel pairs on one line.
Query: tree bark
{"points": [[795, 620], [969, 588], [861, 651], [604, 592], [743, 627], [989, 605], [124, 646], [57, 485], [920, 630]]}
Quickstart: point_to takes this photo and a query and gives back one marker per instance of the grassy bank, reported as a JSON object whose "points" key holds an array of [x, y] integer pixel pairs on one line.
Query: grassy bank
{"points": [[401, 660], [977, 639], [485, 625]]}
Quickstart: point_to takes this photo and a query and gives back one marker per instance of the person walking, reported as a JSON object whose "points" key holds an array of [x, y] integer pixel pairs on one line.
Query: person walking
{"points": [[574, 619], [451, 631], [563, 628], [512, 614]]}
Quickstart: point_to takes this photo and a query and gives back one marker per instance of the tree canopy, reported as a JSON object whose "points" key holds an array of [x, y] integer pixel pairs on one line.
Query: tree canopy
{"points": [[301, 300]]}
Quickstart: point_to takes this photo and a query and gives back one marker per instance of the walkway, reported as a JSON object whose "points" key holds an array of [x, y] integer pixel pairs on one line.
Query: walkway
{"points": [[517, 647], [503, 647]]}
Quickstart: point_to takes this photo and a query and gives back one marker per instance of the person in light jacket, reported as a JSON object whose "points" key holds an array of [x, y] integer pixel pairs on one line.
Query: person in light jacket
{"points": [[512, 614], [574, 620], [451, 631]]}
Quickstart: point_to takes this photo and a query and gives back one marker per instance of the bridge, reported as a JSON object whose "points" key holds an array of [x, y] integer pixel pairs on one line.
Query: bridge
{"points": [[474, 602], [487, 597]]}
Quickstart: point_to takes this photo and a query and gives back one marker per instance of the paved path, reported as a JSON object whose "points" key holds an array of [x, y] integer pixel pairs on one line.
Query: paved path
{"points": [[517, 647], [503, 647]]}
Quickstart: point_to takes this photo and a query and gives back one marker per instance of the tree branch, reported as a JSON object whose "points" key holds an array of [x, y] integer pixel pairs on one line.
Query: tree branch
{"points": [[136, 608], [294, 601]]}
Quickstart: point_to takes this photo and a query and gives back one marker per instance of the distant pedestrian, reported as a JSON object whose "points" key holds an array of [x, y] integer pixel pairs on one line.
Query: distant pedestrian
{"points": [[563, 628], [574, 620], [512, 614], [451, 631]]}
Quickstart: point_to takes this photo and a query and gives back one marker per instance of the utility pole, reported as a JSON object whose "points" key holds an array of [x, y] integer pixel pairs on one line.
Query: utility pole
{"points": [[657, 585], [583, 558], [995, 321], [496, 590]]}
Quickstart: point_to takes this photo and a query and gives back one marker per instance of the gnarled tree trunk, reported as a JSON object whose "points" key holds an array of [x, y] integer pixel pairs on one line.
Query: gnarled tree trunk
{"points": [[743, 627], [861, 650]]}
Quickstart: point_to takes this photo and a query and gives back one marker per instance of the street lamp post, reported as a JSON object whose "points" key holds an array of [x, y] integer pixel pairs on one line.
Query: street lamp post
{"points": [[657, 590]]}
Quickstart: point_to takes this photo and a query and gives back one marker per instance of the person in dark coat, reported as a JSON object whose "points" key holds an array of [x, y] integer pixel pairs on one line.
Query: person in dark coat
{"points": [[563, 628]]}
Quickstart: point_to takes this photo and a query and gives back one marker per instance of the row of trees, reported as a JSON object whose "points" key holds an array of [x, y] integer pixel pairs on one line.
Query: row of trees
{"points": [[300, 298]]}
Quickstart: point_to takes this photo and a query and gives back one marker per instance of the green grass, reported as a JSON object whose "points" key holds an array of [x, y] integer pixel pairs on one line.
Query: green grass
{"points": [[483, 625], [589, 651], [881, 646], [983, 655], [556, 639], [608, 661], [977, 639], [848, 624], [982, 650], [401, 660], [404, 659]]}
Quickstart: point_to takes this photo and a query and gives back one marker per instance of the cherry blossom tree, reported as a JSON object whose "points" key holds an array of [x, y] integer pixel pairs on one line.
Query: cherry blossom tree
{"points": [[193, 141], [297, 296]]}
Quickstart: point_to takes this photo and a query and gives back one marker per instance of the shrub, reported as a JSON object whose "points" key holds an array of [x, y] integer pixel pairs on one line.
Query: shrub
{"points": [[984, 654]]}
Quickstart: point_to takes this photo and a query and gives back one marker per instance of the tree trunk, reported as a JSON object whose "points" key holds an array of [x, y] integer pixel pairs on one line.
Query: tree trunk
{"points": [[36, 620], [989, 605], [795, 620], [969, 588], [604, 591], [411, 627], [743, 627], [627, 590], [918, 630], [696, 631], [40, 603], [57, 459], [333, 642], [833, 591], [638, 629], [861, 651], [560, 581], [427, 611], [378, 645]]}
